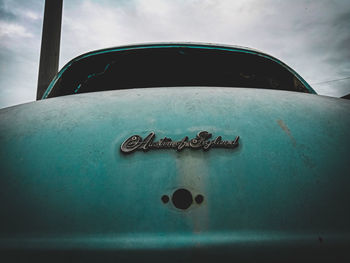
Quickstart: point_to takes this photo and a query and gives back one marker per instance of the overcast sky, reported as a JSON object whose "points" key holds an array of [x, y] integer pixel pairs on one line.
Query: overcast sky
{"points": [[313, 37]]}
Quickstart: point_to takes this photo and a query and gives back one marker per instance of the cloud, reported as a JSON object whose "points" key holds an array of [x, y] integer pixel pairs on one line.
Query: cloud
{"points": [[32, 15], [6, 14], [13, 30], [20, 29]]}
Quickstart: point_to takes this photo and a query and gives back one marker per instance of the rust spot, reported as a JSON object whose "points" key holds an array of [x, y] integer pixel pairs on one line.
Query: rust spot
{"points": [[287, 131], [320, 239], [300, 149]]}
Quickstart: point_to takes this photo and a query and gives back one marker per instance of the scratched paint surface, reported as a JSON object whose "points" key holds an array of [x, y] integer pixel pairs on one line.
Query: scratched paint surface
{"points": [[64, 183]]}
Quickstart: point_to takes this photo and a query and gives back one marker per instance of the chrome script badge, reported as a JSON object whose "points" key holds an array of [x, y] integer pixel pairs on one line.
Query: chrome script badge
{"points": [[201, 141]]}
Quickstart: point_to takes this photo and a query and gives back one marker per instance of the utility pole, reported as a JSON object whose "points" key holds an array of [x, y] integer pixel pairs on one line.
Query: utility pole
{"points": [[50, 45]]}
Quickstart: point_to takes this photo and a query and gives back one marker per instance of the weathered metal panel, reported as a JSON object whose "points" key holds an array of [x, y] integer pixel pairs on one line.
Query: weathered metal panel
{"points": [[66, 186]]}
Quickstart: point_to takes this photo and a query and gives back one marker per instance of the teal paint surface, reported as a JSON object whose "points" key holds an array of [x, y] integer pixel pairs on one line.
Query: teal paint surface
{"points": [[174, 45], [65, 185]]}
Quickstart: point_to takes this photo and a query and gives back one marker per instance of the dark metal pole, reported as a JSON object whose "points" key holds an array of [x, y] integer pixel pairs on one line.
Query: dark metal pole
{"points": [[50, 44]]}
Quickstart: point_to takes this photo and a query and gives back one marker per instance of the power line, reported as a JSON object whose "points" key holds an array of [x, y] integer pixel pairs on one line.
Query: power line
{"points": [[330, 81]]}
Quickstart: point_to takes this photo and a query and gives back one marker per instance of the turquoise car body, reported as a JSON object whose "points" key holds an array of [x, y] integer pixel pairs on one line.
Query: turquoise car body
{"points": [[68, 191]]}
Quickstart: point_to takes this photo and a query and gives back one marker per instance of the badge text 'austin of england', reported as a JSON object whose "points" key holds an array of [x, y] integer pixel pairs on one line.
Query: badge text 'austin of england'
{"points": [[201, 141]]}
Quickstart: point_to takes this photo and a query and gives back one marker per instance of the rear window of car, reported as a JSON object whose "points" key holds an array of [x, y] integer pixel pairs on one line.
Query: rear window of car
{"points": [[173, 67]]}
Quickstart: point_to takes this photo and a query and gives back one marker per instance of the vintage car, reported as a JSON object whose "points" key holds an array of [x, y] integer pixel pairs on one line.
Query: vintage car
{"points": [[176, 153]]}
